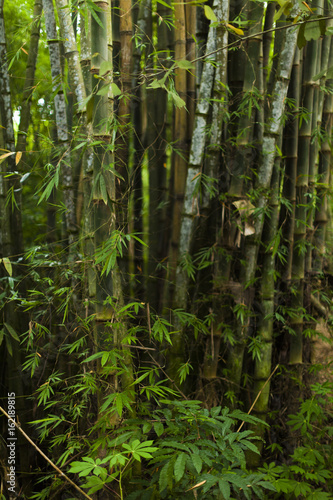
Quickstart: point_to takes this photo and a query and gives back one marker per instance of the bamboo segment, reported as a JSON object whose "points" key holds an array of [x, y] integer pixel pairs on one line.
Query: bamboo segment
{"points": [[11, 247], [156, 143], [290, 149], [196, 157], [274, 122], [325, 162], [250, 95], [85, 54], [212, 169], [270, 141], [56, 72], [190, 209], [103, 197], [124, 109], [180, 135], [61, 125], [190, 14], [263, 361], [78, 89], [306, 167]]}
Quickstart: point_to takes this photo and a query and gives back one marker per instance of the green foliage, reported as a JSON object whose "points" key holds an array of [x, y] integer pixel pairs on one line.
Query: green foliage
{"points": [[95, 354], [309, 471], [113, 247], [194, 449]]}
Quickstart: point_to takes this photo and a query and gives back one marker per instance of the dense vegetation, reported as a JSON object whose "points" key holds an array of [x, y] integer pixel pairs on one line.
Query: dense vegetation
{"points": [[165, 249]]}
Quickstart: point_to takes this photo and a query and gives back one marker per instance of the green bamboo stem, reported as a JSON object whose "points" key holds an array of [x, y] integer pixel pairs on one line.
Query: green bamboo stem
{"points": [[124, 108], [274, 122], [263, 362], [325, 162], [78, 89], [156, 140], [190, 208], [180, 135], [104, 217], [196, 155], [212, 169], [321, 62], [11, 246], [290, 151], [85, 53], [190, 14], [245, 131], [302, 230], [267, 39], [142, 31], [271, 137]]}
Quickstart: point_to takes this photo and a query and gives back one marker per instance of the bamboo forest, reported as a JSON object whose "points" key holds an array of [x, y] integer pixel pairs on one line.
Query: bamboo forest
{"points": [[166, 249]]}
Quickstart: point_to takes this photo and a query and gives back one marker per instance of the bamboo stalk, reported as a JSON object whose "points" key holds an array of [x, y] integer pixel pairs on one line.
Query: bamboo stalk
{"points": [[180, 135], [263, 362], [188, 220], [124, 109]]}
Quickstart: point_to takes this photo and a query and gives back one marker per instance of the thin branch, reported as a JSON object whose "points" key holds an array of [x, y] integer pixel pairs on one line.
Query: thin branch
{"points": [[44, 456], [258, 395], [259, 33]]}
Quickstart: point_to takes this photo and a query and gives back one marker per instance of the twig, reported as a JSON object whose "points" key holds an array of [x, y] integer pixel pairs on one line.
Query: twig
{"points": [[44, 456], [259, 33], [258, 395]]}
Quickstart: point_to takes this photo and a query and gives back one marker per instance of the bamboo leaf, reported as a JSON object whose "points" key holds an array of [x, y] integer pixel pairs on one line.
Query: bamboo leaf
{"points": [[197, 485], [308, 7], [8, 265], [24, 177], [48, 190], [105, 358], [9, 345], [18, 156], [2, 157], [320, 74], [165, 4], [119, 405], [328, 72], [238, 31], [209, 13], [12, 332]]}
